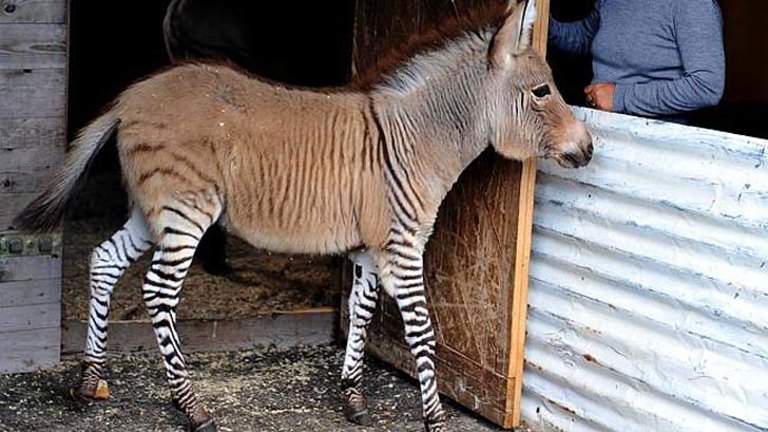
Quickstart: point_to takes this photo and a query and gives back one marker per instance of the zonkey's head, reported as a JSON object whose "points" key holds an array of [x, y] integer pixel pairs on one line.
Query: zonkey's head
{"points": [[527, 114]]}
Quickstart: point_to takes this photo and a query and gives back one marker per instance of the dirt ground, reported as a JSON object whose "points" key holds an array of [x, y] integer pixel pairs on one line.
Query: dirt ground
{"points": [[262, 282], [266, 390]]}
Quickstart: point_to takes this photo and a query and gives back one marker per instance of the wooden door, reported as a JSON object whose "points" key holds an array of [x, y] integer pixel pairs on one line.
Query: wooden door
{"points": [[33, 83], [477, 260]]}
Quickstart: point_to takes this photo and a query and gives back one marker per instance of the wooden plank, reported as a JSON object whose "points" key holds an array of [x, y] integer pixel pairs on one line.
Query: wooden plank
{"points": [[33, 11], [30, 268], [28, 169], [45, 155], [35, 134], [33, 92], [29, 317], [30, 350], [33, 292], [33, 46], [281, 329], [24, 179], [11, 205]]}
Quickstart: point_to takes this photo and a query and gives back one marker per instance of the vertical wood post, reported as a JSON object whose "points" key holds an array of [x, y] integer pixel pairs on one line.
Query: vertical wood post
{"points": [[524, 238]]}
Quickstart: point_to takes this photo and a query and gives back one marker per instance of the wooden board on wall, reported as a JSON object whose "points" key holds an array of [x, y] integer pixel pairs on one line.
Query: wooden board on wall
{"points": [[477, 260], [33, 85]]}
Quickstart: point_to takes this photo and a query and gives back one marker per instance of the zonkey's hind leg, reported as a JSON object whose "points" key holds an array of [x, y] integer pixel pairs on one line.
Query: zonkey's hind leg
{"points": [[402, 276], [362, 306], [182, 224], [109, 261]]}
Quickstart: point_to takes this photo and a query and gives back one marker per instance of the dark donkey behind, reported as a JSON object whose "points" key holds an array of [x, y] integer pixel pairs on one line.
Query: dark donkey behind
{"points": [[362, 169]]}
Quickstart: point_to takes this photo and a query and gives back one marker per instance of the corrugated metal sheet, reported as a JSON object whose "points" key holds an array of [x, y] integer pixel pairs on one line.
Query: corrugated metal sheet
{"points": [[649, 284]]}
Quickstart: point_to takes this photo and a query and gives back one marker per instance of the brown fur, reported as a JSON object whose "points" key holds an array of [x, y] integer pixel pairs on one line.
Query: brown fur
{"points": [[261, 149]]}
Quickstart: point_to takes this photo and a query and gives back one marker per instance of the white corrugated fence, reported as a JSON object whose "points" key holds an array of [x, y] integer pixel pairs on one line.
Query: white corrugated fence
{"points": [[648, 301]]}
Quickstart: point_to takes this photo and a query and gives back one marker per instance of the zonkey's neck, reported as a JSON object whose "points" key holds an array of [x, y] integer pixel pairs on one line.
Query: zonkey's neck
{"points": [[434, 132]]}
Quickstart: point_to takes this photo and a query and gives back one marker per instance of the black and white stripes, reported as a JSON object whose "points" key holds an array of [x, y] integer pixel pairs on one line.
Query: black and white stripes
{"points": [[362, 305], [183, 224], [109, 261]]}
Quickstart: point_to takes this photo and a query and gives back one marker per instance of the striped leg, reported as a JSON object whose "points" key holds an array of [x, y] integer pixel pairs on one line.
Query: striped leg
{"points": [[184, 224], [108, 262], [403, 276], [362, 305]]}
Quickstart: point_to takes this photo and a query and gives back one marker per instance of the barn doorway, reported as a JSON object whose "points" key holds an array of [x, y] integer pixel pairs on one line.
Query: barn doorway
{"points": [[113, 44]]}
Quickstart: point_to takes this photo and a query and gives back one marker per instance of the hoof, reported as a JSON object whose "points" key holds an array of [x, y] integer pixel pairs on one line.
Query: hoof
{"points": [[356, 410], [85, 395], [361, 418], [206, 426], [102, 391]]}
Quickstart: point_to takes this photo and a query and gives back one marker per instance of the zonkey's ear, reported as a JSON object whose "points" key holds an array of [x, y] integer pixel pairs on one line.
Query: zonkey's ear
{"points": [[515, 35]]}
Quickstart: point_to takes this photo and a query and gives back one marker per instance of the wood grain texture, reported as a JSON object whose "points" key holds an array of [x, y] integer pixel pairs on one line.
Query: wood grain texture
{"points": [[477, 260], [10, 205], [281, 330], [44, 134], [33, 92], [33, 11], [28, 268], [33, 46], [24, 178], [32, 292], [29, 350], [30, 317], [519, 305]]}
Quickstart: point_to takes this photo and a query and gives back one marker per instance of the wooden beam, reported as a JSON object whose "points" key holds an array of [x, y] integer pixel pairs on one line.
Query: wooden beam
{"points": [[33, 92], [33, 46], [279, 329], [43, 133], [32, 292], [524, 239]]}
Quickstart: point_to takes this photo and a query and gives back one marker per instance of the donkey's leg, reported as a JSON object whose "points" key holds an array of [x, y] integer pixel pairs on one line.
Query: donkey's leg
{"points": [[362, 305], [108, 262], [181, 224], [402, 275]]}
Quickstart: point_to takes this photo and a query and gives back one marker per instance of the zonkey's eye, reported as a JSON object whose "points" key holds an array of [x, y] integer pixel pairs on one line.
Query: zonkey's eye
{"points": [[541, 91]]}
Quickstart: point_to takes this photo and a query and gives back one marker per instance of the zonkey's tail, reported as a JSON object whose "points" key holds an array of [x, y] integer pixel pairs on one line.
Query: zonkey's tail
{"points": [[47, 210]]}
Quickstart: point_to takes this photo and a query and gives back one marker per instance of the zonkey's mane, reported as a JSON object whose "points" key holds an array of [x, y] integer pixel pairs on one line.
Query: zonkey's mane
{"points": [[474, 24]]}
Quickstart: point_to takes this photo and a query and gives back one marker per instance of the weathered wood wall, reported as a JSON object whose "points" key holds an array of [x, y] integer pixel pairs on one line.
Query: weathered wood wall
{"points": [[33, 83], [476, 262]]}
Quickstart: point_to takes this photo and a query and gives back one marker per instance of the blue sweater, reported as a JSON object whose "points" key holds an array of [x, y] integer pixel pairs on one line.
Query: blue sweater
{"points": [[665, 56]]}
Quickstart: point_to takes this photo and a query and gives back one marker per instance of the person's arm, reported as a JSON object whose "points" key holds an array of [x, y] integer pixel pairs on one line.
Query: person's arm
{"points": [[699, 32], [574, 37]]}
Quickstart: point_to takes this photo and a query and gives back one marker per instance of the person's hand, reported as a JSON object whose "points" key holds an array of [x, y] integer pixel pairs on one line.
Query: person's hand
{"points": [[600, 95]]}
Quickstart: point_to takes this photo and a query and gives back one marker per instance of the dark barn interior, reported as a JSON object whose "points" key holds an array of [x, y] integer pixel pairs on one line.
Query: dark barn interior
{"points": [[113, 44]]}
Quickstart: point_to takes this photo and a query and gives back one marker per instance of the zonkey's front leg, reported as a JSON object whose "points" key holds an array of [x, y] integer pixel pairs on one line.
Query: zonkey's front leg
{"points": [[402, 276]]}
